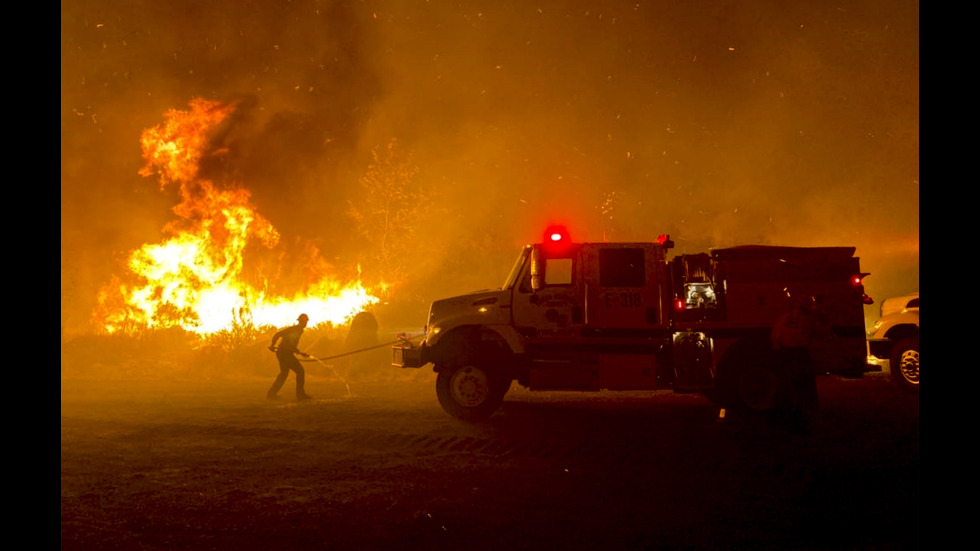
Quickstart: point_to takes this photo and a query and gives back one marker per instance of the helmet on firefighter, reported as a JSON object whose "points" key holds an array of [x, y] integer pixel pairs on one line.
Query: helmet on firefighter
{"points": [[303, 317]]}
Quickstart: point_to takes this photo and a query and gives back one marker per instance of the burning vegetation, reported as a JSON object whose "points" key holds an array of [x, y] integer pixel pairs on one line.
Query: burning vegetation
{"points": [[201, 302], [210, 286], [198, 279]]}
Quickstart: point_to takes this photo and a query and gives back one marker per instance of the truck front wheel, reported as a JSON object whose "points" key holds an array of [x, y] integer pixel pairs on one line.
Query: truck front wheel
{"points": [[470, 392], [905, 364]]}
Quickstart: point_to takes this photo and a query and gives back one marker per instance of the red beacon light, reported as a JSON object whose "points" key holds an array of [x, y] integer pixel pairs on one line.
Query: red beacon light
{"points": [[556, 235]]}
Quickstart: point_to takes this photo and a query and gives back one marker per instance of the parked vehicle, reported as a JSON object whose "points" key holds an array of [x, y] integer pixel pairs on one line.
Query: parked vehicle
{"points": [[894, 340]]}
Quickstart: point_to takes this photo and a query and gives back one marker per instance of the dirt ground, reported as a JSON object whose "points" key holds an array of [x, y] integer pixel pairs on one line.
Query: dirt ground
{"points": [[376, 464]]}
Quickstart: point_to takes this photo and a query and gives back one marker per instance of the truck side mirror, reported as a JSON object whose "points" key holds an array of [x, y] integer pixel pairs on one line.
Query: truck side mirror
{"points": [[537, 270]]}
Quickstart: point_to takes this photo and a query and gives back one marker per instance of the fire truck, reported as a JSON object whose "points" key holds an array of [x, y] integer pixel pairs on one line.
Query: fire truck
{"points": [[624, 316]]}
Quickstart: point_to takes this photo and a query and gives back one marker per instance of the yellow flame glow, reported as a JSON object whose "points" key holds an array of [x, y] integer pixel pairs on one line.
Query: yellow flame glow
{"points": [[194, 279]]}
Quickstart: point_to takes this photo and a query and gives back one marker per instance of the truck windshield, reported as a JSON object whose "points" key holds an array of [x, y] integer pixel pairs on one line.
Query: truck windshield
{"points": [[515, 272]]}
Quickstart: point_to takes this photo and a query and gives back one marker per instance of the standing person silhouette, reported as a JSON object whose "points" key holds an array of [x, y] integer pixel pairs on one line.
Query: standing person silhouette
{"points": [[793, 335], [286, 353]]}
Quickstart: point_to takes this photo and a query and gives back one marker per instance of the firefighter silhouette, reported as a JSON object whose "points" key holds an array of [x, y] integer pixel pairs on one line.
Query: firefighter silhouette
{"points": [[793, 335], [286, 352]]}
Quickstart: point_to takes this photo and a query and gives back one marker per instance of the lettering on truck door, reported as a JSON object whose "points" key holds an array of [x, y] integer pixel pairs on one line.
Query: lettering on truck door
{"points": [[554, 311]]}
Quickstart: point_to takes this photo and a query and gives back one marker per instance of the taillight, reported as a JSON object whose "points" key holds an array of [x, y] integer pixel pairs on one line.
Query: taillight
{"points": [[857, 281]]}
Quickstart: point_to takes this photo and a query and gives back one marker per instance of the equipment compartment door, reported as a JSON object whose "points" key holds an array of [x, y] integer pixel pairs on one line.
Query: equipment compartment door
{"points": [[623, 287]]}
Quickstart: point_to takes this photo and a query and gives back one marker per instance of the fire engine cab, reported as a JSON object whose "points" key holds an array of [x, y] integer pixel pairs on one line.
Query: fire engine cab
{"points": [[624, 316]]}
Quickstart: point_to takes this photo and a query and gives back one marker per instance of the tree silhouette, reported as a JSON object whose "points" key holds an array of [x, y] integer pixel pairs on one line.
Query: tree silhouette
{"points": [[389, 207]]}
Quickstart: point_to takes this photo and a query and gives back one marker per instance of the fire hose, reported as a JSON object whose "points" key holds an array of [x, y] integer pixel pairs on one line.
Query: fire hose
{"points": [[308, 358]]}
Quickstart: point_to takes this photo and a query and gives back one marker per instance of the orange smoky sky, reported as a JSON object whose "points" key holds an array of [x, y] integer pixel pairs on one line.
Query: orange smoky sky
{"points": [[718, 122]]}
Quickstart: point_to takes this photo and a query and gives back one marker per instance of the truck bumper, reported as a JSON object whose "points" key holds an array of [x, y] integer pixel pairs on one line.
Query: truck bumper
{"points": [[880, 348], [406, 356], [879, 353], [877, 365]]}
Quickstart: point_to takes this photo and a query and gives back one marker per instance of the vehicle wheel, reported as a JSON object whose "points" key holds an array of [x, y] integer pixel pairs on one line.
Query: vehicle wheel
{"points": [[470, 392], [905, 364]]}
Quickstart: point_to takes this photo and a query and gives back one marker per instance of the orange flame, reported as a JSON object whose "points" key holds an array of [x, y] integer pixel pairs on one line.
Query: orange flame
{"points": [[194, 279]]}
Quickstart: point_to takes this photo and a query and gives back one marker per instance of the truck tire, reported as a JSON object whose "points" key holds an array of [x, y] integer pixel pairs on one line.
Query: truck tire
{"points": [[470, 392], [905, 364]]}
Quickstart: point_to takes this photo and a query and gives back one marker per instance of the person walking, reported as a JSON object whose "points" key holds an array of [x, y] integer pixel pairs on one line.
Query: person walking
{"points": [[286, 353]]}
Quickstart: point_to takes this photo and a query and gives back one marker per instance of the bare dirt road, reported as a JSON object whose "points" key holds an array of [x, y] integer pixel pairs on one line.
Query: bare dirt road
{"points": [[178, 465]]}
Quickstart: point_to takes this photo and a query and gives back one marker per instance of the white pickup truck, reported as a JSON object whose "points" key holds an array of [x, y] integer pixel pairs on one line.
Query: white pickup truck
{"points": [[893, 342]]}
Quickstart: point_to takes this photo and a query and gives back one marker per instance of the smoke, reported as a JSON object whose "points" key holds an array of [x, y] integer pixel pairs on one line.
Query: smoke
{"points": [[720, 123]]}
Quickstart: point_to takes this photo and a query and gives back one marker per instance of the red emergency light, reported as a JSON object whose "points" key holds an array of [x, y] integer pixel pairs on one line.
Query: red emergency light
{"points": [[556, 235]]}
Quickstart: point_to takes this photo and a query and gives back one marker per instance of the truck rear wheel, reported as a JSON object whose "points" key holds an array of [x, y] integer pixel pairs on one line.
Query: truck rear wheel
{"points": [[905, 364], [470, 392]]}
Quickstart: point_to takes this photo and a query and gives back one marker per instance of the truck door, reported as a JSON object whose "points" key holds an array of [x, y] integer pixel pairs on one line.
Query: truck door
{"points": [[624, 288], [548, 300]]}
